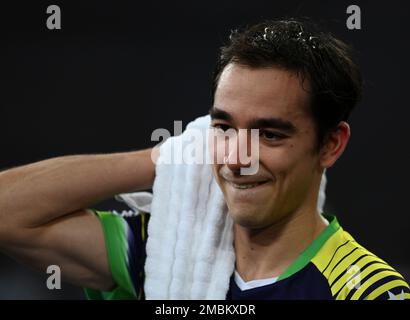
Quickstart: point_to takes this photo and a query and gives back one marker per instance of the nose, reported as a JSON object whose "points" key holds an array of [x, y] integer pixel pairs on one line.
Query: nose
{"points": [[236, 155]]}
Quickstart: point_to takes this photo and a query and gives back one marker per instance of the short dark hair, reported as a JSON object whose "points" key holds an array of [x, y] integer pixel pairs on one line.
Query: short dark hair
{"points": [[299, 46]]}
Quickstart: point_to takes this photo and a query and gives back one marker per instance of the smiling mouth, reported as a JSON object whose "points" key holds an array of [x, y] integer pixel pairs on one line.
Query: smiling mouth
{"points": [[243, 186]]}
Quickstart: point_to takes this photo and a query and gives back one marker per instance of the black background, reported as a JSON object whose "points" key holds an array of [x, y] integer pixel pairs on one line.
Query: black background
{"points": [[117, 70]]}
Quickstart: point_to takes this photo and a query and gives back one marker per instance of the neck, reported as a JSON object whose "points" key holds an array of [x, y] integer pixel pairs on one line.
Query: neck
{"points": [[268, 252]]}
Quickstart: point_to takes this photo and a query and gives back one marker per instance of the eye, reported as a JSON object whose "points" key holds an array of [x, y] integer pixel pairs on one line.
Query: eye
{"points": [[271, 136], [220, 126]]}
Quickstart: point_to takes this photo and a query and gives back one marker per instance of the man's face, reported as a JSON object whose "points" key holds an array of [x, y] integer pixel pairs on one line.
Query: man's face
{"points": [[273, 101]]}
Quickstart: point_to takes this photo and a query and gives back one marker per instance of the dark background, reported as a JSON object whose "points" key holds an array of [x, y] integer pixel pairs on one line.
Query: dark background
{"points": [[120, 69]]}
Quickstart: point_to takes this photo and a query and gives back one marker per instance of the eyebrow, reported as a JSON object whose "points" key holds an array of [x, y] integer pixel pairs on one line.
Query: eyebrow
{"points": [[257, 123]]}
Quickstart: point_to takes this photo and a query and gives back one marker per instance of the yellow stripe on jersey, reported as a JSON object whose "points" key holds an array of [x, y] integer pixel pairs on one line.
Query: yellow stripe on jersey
{"points": [[351, 259], [333, 251], [354, 275], [328, 251], [375, 278], [350, 269], [384, 288]]}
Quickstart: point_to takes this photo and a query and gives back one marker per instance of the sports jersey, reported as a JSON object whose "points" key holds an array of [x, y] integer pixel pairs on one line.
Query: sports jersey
{"points": [[333, 267]]}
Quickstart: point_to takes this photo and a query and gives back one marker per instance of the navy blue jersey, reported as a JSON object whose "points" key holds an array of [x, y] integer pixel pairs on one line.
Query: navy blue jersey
{"points": [[333, 267]]}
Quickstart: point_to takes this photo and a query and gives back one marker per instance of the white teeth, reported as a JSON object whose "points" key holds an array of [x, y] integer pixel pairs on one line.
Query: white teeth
{"points": [[245, 186]]}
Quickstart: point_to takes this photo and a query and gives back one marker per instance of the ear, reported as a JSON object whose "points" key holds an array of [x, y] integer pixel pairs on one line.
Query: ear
{"points": [[335, 144]]}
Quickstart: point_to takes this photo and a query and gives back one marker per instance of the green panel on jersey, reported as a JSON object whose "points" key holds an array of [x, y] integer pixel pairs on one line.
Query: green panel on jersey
{"points": [[115, 233]]}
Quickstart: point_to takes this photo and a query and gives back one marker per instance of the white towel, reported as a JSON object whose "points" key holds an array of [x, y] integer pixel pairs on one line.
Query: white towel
{"points": [[190, 252]]}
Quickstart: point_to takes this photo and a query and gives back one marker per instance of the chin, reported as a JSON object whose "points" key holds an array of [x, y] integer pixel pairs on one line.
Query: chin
{"points": [[246, 218]]}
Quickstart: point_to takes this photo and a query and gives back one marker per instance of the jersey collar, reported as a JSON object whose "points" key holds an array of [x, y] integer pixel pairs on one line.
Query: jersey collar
{"points": [[313, 248]]}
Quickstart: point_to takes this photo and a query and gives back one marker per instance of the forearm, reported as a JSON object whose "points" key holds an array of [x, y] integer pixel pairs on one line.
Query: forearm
{"points": [[35, 194]]}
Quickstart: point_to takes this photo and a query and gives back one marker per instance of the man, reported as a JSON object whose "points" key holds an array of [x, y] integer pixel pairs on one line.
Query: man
{"points": [[297, 86]]}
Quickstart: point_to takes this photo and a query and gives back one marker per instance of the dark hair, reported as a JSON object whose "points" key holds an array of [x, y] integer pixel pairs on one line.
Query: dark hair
{"points": [[299, 46]]}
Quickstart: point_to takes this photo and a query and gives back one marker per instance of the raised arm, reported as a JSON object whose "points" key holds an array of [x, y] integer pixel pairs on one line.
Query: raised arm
{"points": [[43, 215]]}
